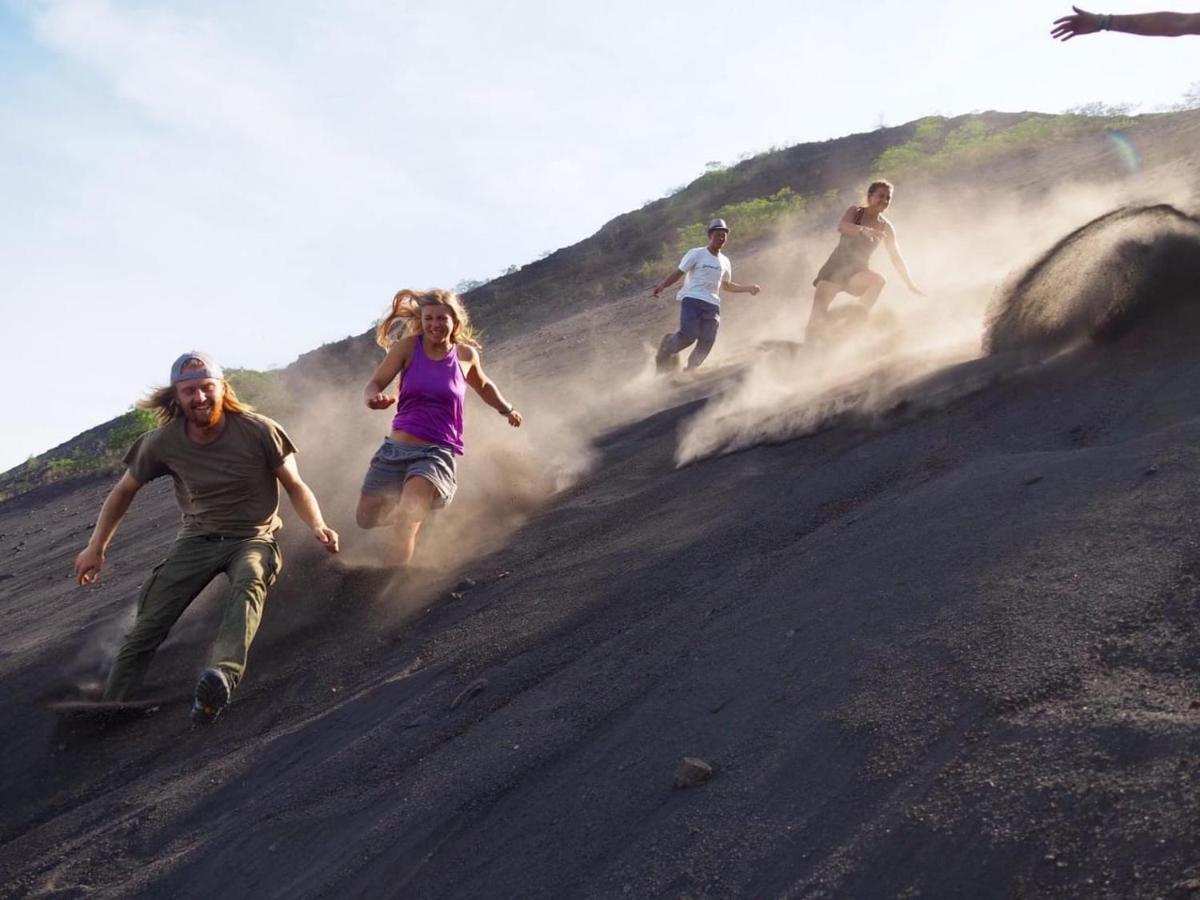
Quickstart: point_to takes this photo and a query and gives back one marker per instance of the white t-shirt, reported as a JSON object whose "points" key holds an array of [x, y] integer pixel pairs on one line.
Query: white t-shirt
{"points": [[703, 274]]}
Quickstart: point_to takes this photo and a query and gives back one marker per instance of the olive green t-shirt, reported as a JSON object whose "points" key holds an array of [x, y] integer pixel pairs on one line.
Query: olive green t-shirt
{"points": [[225, 488]]}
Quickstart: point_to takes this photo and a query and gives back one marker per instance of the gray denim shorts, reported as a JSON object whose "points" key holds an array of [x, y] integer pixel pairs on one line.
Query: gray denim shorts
{"points": [[394, 463]]}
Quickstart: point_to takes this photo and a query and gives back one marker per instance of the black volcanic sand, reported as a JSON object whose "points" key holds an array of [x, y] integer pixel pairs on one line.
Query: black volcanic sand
{"points": [[951, 654]]}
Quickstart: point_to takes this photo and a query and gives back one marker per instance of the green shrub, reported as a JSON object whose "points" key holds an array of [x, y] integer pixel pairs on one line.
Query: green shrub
{"points": [[748, 219], [265, 391], [128, 429], [932, 149]]}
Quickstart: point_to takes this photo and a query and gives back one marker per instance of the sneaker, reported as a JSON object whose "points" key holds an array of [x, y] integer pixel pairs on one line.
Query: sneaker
{"points": [[665, 361], [212, 696]]}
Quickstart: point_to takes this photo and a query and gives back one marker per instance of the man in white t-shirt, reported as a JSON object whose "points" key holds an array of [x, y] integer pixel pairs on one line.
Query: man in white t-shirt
{"points": [[705, 272]]}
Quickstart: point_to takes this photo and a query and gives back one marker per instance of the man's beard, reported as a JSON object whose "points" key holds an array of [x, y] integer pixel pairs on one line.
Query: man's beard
{"points": [[204, 420]]}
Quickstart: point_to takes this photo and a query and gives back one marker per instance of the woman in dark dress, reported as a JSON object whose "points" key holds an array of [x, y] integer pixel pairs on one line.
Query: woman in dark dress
{"points": [[862, 230]]}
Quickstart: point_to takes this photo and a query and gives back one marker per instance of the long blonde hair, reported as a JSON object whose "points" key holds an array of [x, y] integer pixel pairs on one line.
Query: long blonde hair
{"points": [[165, 405], [404, 317]]}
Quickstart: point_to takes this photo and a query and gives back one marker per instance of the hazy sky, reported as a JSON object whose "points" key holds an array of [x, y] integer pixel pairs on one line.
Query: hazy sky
{"points": [[258, 178]]}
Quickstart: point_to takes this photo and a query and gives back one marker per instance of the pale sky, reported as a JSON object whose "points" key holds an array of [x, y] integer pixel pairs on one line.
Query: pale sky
{"points": [[255, 178]]}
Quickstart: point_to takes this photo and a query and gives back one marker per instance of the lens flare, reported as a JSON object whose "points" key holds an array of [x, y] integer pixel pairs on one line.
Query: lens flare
{"points": [[1127, 150]]}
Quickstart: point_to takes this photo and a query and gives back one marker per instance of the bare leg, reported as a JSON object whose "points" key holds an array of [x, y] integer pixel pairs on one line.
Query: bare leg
{"points": [[822, 297], [415, 503], [866, 286], [374, 510]]}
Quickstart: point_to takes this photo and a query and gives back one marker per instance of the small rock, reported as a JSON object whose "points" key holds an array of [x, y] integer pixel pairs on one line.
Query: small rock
{"points": [[468, 692], [692, 772], [1031, 479], [465, 585], [454, 595], [1150, 470]]}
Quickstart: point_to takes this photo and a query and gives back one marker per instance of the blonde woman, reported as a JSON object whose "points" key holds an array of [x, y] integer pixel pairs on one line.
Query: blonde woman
{"points": [[433, 349]]}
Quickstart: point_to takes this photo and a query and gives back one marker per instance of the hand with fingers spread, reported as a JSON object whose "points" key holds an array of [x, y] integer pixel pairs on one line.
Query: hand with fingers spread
{"points": [[1083, 22]]}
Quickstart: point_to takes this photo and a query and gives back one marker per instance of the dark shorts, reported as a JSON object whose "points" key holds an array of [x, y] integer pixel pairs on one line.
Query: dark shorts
{"points": [[839, 272], [395, 462], [847, 260]]}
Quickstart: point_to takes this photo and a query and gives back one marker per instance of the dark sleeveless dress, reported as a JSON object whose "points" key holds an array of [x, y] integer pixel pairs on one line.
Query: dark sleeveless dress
{"points": [[851, 256]]}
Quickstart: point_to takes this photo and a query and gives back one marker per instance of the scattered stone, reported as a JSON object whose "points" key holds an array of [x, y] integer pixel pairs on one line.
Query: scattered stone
{"points": [[465, 585], [468, 692], [1150, 470], [1031, 479], [692, 772], [454, 595]]}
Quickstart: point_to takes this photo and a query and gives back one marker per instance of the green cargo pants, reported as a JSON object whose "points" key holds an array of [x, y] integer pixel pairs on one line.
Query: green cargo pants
{"points": [[252, 565]]}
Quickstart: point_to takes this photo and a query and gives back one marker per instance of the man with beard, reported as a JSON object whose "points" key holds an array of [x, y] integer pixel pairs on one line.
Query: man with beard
{"points": [[227, 463]]}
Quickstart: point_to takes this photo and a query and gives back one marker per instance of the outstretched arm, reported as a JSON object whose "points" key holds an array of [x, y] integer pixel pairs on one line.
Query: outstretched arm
{"points": [[734, 288], [893, 248], [1155, 24], [304, 502], [667, 282], [487, 390], [90, 560]]}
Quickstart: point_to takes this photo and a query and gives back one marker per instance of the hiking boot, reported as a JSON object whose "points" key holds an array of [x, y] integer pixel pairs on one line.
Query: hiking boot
{"points": [[212, 696], [665, 361]]}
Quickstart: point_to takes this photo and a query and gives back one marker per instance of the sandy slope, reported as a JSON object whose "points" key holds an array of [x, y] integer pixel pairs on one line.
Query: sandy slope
{"points": [[952, 654], [947, 650]]}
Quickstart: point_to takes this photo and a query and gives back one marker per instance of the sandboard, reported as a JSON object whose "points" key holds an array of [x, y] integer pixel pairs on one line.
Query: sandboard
{"points": [[100, 709]]}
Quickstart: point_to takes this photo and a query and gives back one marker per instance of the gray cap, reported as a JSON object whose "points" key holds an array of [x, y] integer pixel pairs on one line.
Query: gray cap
{"points": [[717, 225], [208, 367]]}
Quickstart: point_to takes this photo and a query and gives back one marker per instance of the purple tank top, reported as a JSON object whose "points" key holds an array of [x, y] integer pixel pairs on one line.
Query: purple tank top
{"points": [[430, 405]]}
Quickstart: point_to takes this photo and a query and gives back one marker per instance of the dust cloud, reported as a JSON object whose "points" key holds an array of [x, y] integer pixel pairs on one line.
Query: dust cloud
{"points": [[505, 475], [961, 247], [1098, 281]]}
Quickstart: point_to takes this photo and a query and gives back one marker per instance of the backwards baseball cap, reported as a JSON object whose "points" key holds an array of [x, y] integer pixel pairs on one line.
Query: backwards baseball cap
{"points": [[193, 365], [717, 225]]}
